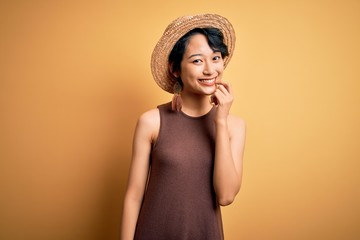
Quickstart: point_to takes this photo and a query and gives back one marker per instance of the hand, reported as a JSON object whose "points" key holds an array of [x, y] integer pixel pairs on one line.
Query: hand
{"points": [[222, 99]]}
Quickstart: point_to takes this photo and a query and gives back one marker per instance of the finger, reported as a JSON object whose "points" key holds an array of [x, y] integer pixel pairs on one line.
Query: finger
{"points": [[219, 97], [213, 100], [227, 87], [224, 89]]}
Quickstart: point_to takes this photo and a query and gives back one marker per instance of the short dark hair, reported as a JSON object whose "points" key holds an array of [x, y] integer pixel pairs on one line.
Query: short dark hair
{"points": [[215, 40]]}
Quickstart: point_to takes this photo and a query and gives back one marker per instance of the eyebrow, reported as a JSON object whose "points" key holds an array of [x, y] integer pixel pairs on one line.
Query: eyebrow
{"points": [[199, 54], [195, 55]]}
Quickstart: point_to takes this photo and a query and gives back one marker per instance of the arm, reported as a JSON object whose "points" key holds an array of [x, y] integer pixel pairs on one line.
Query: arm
{"points": [[145, 133], [229, 148]]}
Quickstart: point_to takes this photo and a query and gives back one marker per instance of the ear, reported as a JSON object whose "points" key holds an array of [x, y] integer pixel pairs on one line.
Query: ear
{"points": [[175, 74], [224, 59]]}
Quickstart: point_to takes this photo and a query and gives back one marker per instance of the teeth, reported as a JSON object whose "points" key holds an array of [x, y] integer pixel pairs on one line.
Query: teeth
{"points": [[207, 80]]}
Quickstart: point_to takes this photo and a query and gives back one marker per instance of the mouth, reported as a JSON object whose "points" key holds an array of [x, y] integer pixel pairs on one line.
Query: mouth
{"points": [[208, 81]]}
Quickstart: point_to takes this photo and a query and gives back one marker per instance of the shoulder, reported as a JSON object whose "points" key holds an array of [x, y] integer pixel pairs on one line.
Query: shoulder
{"points": [[150, 118], [149, 123]]}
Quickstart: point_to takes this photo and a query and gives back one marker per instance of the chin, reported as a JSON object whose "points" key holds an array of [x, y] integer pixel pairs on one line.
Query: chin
{"points": [[211, 92]]}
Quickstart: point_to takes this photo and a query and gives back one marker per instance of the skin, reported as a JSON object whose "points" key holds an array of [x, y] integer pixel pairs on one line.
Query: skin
{"points": [[201, 69]]}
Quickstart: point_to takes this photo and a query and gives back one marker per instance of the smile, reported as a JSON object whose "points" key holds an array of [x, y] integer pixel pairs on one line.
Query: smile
{"points": [[209, 81]]}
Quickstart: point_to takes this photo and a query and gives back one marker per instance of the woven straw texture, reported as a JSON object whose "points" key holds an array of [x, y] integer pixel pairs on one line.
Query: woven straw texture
{"points": [[178, 28]]}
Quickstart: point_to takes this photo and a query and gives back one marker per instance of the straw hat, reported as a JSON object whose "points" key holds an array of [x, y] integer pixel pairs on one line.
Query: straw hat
{"points": [[178, 28]]}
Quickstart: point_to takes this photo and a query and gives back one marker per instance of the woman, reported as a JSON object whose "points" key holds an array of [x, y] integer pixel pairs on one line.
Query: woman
{"points": [[187, 154]]}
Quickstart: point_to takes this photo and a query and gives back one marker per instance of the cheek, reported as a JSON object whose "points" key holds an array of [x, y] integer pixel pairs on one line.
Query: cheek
{"points": [[220, 70], [189, 72], [220, 66]]}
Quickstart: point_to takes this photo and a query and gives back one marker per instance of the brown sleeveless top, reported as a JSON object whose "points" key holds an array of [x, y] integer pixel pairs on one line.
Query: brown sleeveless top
{"points": [[179, 202]]}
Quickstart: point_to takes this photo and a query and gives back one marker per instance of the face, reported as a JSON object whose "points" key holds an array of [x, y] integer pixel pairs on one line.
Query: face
{"points": [[201, 67]]}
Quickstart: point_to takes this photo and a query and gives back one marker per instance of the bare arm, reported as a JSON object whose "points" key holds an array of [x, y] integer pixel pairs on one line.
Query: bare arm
{"points": [[145, 133], [229, 148]]}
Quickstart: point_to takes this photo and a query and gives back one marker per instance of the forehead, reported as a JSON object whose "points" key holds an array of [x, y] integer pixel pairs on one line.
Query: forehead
{"points": [[198, 44]]}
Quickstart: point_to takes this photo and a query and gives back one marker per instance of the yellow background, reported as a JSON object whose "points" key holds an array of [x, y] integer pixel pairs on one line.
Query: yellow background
{"points": [[75, 76]]}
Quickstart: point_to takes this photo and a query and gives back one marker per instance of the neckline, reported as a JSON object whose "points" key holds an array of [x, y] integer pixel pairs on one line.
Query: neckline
{"points": [[196, 117]]}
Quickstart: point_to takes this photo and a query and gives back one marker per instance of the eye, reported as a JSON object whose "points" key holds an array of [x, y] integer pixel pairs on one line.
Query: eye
{"points": [[197, 61], [217, 57]]}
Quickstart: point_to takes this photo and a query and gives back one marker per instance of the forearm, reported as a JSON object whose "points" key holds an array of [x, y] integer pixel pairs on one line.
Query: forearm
{"points": [[226, 179], [129, 218]]}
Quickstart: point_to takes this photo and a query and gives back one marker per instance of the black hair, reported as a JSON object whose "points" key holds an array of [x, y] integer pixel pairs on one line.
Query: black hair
{"points": [[215, 40]]}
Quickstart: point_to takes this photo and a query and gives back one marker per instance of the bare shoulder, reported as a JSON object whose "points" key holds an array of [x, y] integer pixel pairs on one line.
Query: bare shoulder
{"points": [[237, 125], [150, 117], [149, 122]]}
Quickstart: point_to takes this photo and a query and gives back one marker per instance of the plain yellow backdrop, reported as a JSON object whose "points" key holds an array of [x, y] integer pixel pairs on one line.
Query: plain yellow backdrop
{"points": [[75, 76]]}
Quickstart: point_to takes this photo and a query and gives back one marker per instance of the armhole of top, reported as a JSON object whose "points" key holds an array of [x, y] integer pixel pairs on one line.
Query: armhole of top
{"points": [[155, 143]]}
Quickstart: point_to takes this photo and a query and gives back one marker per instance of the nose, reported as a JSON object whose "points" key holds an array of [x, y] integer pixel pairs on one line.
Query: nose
{"points": [[208, 68]]}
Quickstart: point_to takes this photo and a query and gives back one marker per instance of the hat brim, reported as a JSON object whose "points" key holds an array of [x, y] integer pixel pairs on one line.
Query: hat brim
{"points": [[175, 30]]}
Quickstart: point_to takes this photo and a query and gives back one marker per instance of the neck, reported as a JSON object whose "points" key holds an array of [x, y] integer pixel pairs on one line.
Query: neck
{"points": [[195, 105]]}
